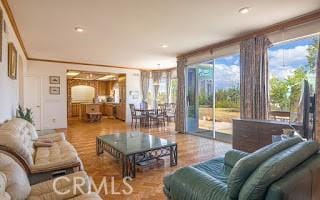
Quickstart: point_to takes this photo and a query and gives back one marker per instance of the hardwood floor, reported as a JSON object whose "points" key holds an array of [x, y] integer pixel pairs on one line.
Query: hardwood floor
{"points": [[146, 185]]}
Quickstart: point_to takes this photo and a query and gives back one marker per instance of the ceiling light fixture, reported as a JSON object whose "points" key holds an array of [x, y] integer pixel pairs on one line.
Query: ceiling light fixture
{"points": [[72, 73], [244, 10], [79, 29], [164, 46], [106, 77]]}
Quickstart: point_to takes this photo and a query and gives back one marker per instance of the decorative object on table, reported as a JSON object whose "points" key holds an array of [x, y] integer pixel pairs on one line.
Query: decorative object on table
{"points": [[12, 61], [54, 79], [288, 131], [54, 90], [25, 114]]}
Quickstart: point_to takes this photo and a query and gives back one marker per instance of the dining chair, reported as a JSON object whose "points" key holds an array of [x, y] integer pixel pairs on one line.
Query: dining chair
{"points": [[171, 112], [159, 117], [135, 116]]}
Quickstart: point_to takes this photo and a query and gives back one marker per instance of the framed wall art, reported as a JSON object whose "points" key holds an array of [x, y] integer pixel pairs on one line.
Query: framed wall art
{"points": [[12, 61], [54, 90], [54, 79]]}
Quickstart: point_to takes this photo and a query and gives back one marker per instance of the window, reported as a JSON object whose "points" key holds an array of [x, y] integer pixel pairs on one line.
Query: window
{"points": [[162, 93], [173, 90], [289, 64]]}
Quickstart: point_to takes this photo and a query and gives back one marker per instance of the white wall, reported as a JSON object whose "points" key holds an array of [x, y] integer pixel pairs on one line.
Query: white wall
{"points": [[54, 107], [9, 89]]}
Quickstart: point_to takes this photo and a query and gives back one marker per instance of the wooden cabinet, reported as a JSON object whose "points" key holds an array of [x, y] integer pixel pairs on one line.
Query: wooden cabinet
{"points": [[107, 109], [75, 109], [102, 88], [109, 87], [121, 107], [251, 135]]}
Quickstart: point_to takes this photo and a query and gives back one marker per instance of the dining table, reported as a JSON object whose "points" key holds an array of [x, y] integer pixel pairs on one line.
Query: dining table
{"points": [[147, 112]]}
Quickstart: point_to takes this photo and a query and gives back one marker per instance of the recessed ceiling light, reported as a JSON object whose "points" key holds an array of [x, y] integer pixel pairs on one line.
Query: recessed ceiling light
{"points": [[244, 10], [164, 46], [79, 29]]}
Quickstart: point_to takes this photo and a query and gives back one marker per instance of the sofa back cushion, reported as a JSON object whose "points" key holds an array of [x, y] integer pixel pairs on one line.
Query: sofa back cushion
{"points": [[274, 168], [17, 183], [245, 166], [16, 134]]}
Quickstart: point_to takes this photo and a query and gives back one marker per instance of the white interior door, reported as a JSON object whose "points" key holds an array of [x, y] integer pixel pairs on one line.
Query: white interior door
{"points": [[33, 98]]}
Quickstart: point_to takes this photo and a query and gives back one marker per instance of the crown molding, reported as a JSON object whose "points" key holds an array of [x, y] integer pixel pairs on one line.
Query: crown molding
{"points": [[81, 63], [14, 25]]}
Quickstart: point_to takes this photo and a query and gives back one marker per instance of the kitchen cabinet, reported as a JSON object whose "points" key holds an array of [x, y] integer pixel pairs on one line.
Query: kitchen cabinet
{"points": [[107, 109], [102, 88]]}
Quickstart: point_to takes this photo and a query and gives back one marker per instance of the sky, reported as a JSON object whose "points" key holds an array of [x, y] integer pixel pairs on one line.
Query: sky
{"points": [[284, 58]]}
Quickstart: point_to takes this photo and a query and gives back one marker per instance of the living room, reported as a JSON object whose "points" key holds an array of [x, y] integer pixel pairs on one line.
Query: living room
{"points": [[159, 100]]}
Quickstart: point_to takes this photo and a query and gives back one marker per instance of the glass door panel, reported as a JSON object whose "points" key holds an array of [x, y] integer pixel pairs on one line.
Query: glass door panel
{"points": [[227, 95], [192, 104], [199, 97]]}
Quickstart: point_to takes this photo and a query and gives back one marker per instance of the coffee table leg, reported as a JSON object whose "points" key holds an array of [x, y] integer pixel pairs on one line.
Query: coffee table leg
{"points": [[124, 166], [98, 147], [128, 166], [173, 155]]}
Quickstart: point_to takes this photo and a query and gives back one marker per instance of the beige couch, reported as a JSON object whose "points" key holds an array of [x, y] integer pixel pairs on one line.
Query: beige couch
{"points": [[14, 184], [17, 137]]}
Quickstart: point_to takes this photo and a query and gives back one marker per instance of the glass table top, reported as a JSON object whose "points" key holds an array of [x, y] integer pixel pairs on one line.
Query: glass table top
{"points": [[134, 142]]}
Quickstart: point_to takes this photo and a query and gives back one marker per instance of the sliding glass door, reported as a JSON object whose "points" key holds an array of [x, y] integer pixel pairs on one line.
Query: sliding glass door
{"points": [[199, 98], [213, 97]]}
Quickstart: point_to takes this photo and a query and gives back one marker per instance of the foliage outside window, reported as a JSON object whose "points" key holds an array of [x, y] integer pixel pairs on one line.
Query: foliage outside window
{"points": [[289, 64]]}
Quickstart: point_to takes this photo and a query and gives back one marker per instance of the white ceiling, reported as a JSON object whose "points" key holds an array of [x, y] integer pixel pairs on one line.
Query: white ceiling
{"points": [[130, 32]]}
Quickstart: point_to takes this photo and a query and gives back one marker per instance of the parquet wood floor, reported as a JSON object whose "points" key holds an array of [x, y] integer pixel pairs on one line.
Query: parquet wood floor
{"points": [[146, 185]]}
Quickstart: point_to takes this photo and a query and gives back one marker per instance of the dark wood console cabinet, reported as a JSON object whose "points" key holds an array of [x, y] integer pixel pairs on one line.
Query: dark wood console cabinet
{"points": [[250, 135]]}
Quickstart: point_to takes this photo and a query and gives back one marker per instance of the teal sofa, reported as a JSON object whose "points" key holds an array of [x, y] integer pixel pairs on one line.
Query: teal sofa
{"points": [[284, 170]]}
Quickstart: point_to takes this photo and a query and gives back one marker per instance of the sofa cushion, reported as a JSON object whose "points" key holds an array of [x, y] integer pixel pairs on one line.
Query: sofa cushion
{"points": [[215, 168], [233, 156], [3, 182], [64, 187], [54, 137], [59, 154], [16, 135], [17, 186], [276, 167], [32, 131], [299, 183], [246, 166], [190, 183]]}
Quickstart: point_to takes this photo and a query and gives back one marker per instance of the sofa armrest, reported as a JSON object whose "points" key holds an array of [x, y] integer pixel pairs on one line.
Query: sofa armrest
{"points": [[55, 137], [233, 156], [191, 183], [62, 187]]}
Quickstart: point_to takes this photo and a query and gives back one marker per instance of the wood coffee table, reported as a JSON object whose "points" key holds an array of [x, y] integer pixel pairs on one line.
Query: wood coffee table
{"points": [[135, 147]]}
